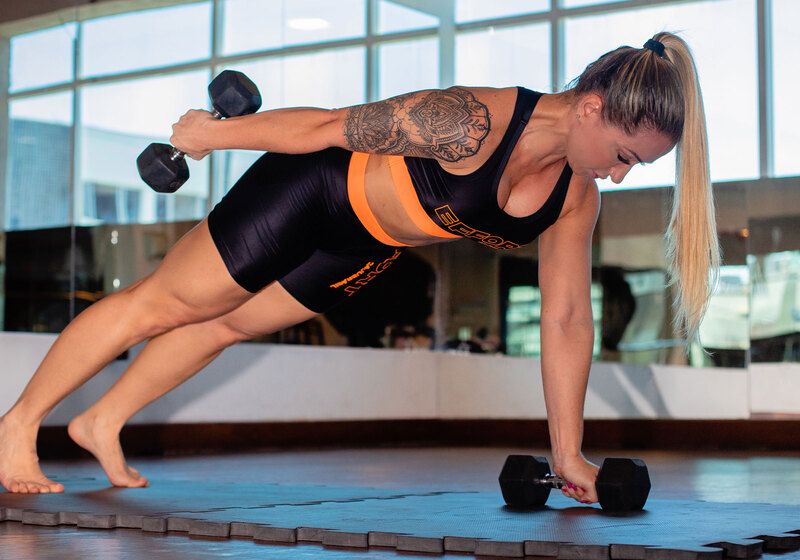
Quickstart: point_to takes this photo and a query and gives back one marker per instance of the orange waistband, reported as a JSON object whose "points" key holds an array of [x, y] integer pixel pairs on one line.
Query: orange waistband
{"points": [[358, 200], [405, 191]]}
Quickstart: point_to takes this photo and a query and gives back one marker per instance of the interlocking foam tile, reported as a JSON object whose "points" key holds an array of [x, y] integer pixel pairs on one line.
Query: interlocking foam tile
{"points": [[434, 522]]}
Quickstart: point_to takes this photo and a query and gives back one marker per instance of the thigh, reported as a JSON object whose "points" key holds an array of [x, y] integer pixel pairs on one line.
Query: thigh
{"points": [[270, 310], [192, 283]]}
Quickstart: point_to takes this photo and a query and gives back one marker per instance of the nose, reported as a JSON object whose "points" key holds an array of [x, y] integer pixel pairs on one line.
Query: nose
{"points": [[619, 172]]}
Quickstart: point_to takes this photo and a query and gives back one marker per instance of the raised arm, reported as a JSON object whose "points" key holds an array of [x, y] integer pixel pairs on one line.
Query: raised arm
{"points": [[449, 125]]}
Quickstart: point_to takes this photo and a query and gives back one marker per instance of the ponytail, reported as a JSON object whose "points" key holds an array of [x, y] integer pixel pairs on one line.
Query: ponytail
{"points": [[692, 245]]}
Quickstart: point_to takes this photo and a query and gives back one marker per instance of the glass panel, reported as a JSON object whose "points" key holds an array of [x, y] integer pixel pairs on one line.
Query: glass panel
{"points": [[111, 140], [408, 66], [471, 10], [253, 25], [636, 301], [147, 39], [786, 83], [42, 58], [579, 3], [37, 279], [329, 79], [40, 152], [508, 56], [393, 18], [731, 111], [774, 263]]}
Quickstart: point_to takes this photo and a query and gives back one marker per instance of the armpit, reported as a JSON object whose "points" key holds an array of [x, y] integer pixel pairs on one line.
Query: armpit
{"points": [[449, 125]]}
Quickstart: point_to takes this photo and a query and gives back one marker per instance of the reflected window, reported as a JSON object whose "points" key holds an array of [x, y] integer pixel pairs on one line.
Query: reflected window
{"points": [[505, 57], [254, 25], [394, 18], [408, 66], [731, 104], [786, 83], [42, 58], [112, 139], [39, 159], [726, 322], [472, 10], [522, 320], [146, 39], [775, 311]]}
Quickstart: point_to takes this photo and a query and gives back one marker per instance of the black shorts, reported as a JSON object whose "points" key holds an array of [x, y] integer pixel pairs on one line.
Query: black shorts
{"points": [[289, 218]]}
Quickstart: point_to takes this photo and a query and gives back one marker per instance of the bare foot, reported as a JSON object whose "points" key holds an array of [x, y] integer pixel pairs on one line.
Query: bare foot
{"points": [[19, 464], [102, 440]]}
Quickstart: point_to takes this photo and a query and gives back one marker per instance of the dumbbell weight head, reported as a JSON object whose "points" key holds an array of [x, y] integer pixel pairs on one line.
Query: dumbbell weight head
{"points": [[233, 94], [162, 167], [622, 484], [516, 481]]}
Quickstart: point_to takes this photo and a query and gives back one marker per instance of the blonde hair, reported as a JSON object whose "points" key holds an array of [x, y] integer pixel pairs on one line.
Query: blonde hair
{"points": [[643, 90]]}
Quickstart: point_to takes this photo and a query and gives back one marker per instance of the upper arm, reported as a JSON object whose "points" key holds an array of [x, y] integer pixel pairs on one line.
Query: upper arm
{"points": [[565, 261], [449, 125]]}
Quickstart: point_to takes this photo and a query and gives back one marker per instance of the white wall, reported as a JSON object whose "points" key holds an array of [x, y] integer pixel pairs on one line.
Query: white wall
{"points": [[268, 383]]}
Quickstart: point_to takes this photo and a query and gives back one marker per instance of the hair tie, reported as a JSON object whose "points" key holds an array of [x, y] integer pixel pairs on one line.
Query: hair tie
{"points": [[655, 46]]}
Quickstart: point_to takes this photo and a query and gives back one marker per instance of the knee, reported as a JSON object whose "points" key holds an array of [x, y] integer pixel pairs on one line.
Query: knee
{"points": [[227, 332], [154, 314]]}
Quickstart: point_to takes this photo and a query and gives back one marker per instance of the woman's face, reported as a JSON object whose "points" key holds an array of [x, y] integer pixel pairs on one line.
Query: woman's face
{"points": [[597, 150]]}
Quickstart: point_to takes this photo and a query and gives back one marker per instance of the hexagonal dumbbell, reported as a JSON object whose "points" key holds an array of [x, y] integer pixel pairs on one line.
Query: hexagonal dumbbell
{"points": [[162, 166], [622, 484]]}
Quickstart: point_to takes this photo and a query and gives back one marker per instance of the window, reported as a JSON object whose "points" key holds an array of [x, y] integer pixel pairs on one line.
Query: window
{"points": [[42, 58], [254, 25], [786, 83], [393, 18], [328, 79], [504, 57], [39, 159], [471, 10], [111, 139], [161, 37], [729, 82], [408, 66]]}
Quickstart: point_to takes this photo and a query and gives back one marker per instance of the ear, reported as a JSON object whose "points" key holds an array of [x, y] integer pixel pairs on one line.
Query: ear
{"points": [[590, 106]]}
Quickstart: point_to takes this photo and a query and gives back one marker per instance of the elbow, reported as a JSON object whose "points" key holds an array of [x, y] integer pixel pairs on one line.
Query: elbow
{"points": [[332, 128]]}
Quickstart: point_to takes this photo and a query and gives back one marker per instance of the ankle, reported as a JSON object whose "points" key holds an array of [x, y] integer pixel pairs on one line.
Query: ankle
{"points": [[18, 421], [101, 419]]}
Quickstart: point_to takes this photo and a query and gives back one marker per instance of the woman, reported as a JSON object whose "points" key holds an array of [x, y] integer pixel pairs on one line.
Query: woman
{"points": [[342, 192]]}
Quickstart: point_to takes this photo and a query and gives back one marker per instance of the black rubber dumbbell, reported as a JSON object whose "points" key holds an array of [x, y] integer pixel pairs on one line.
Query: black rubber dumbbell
{"points": [[162, 166], [622, 484]]}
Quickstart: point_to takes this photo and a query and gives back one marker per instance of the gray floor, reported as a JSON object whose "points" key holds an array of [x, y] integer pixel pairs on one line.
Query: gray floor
{"points": [[725, 478]]}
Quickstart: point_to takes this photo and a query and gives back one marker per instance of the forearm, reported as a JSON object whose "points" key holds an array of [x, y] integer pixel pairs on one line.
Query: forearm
{"points": [[566, 360], [293, 130]]}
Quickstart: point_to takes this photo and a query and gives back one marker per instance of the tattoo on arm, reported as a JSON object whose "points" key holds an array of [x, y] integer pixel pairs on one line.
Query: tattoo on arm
{"points": [[449, 125]]}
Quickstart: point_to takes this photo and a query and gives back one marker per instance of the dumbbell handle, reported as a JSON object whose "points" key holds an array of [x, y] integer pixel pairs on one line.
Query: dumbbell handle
{"points": [[551, 480], [176, 154]]}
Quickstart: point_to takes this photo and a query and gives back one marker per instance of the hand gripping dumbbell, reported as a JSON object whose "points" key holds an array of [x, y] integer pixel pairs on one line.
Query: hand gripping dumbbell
{"points": [[622, 484], [162, 166]]}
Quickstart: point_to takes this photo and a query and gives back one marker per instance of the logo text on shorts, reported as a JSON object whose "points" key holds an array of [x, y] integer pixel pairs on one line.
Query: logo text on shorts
{"points": [[361, 282]]}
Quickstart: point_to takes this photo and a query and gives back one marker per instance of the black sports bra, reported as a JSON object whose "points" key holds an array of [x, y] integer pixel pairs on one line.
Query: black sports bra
{"points": [[466, 205]]}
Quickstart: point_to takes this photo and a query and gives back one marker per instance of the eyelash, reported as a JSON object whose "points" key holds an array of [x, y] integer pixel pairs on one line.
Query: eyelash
{"points": [[627, 162]]}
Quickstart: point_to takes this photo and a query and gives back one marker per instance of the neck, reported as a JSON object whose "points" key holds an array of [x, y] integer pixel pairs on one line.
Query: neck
{"points": [[548, 129]]}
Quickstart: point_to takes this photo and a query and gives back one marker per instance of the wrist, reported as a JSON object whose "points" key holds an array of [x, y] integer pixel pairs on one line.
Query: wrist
{"points": [[213, 135]]}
